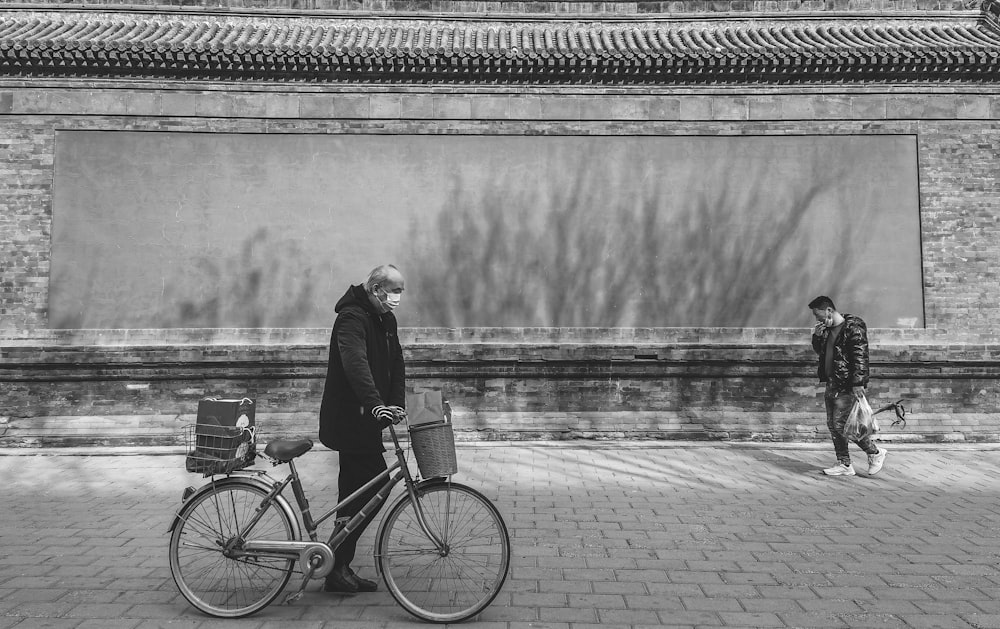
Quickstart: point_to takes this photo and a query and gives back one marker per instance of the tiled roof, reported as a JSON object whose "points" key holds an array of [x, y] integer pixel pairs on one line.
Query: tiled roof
{"points": [[525, 7], [470, 50]]}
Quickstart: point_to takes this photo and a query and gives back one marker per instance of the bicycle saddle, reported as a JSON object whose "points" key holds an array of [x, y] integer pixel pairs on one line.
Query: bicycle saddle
{"points": [[284, 450]]}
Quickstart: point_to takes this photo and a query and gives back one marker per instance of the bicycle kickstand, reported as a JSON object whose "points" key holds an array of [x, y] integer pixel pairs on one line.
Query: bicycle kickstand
{"points": [[306, 577]]}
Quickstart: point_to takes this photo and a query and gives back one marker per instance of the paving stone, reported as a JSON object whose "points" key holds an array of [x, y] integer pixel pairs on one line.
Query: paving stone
{"points": [[945, 607], [109, 623], [615, 535], [807, 619], [983, 621], [540, 600], [44, 623], [991, 607], [874, 620], [690, 619], [657, 602], [832, 605], [99, 610], [599, 601], [566, 614], [711, 604], [774, 605], [30, 595], [628, 617], [750, 619], [935, 621], [729, 591], [567, 587]]}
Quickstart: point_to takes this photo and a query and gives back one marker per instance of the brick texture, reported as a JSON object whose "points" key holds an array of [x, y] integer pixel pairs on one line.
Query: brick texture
{"points": [[667, 387], [614, 7], [611, 383]]}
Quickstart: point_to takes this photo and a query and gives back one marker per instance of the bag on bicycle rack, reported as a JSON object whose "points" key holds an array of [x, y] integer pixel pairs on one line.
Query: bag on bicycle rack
{"points": [[224, 438]]}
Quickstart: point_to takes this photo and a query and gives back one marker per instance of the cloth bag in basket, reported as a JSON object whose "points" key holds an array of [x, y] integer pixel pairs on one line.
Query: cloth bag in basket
{"points": [[424, 407], [432, 437], [225, 436]]}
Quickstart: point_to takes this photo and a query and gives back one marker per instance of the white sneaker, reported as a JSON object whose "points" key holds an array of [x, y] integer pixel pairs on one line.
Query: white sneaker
{"points": [[876, 461], [840, 470]]}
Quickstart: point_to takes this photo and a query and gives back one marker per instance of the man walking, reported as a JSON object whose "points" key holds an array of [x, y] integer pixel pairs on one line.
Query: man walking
{"points": [[365, 390], [841, 340]]}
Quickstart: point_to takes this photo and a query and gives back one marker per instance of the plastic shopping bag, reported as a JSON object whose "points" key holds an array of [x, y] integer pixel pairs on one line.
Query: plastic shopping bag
{"points": [[861, 422]]}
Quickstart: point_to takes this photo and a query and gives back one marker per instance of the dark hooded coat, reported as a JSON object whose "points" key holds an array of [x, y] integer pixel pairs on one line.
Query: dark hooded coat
{"points": [[365, 370]]}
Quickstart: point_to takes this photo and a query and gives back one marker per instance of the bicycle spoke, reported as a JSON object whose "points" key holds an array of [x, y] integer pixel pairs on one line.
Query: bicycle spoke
{"points": [[205, 558], [459, 582]]}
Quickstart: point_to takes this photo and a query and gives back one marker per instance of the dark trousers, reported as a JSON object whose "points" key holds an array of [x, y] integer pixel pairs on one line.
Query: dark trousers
{"points": [[838, 409], [356, 469]]}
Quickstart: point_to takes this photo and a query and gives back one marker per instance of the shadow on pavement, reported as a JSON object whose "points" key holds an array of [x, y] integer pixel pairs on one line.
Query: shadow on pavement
{"points": [[788, 462]]}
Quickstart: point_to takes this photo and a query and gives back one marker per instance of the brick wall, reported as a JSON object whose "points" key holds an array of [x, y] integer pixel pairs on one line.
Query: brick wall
{"points": [[140, 386], [132, 387], [620, 7]]}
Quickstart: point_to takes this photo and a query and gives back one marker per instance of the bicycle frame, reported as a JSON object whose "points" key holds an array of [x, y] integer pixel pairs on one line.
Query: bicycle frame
{"points": [[315, 556], [398, 471]]}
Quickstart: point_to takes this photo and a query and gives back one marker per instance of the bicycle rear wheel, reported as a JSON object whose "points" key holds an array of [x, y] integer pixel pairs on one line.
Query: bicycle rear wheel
{"points": [[221, 582], [454, 583]]}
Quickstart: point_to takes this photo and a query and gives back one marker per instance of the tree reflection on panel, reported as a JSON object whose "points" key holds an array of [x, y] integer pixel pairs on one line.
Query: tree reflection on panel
{"points": [[606, 231]]}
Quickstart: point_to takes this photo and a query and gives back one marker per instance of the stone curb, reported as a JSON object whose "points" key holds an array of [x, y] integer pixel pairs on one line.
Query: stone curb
{"points": [[568, 444]]}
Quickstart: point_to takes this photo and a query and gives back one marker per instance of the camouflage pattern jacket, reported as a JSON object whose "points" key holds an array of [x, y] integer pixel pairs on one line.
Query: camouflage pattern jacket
{"points": [[850, 354]]}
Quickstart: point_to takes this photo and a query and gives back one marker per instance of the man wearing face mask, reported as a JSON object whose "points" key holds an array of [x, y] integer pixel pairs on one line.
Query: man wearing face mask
{"points": [[365, 390], [842, 344]]}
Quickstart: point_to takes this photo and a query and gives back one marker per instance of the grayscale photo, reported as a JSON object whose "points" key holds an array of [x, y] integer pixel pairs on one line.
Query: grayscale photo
{"points": [[353, 314]]}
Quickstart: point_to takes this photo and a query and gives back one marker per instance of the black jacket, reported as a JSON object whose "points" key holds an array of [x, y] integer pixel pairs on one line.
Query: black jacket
{"points": [[850, 354], [365, 370]]}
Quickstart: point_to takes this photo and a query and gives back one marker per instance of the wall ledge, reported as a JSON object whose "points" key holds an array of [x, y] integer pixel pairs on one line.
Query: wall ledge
{"points": [[410, 336]]}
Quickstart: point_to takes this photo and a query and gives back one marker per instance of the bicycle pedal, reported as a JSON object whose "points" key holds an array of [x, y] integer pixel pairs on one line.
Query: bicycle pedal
{"points": [[291, 598]]}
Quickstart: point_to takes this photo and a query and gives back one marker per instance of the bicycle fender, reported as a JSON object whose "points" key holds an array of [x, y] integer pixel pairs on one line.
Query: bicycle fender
{"points": [[239, 480]]}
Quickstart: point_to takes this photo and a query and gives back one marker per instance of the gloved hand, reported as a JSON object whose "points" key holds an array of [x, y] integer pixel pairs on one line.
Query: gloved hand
{"points": [[399, 414], [383, 414]]}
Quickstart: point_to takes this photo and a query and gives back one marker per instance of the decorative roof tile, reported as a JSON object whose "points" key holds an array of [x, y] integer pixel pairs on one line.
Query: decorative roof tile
{"points": [[342, 49]]}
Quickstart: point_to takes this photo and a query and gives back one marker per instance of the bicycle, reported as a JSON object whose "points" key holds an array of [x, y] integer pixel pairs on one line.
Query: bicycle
{"points": [[442, 548]]}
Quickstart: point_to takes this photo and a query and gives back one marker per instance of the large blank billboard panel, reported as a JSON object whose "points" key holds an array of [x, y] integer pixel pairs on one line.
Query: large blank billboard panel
{"points": [[160, 230]]}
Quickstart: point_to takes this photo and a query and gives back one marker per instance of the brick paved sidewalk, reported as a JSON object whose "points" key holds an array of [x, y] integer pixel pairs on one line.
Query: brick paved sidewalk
{"points": [[611, 534]]}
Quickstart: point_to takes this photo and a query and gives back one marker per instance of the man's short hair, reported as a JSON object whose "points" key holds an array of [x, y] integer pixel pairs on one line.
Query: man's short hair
{"points": [[378, 276], [821, 303]]}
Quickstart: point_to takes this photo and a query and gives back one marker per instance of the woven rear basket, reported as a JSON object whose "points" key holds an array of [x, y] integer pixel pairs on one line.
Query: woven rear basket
{"points": [[434, 448]]}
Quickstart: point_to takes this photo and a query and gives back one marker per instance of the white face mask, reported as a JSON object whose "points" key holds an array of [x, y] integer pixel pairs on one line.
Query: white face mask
{"points": [[391, 299]]}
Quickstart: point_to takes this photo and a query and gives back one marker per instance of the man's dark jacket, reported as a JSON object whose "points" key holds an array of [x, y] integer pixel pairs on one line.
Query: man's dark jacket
{"points": [[365, 370], [850, 354]]}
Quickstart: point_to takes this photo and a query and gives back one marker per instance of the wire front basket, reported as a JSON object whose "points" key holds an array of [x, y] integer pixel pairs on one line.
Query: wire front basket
{"points": [[219, 449]]}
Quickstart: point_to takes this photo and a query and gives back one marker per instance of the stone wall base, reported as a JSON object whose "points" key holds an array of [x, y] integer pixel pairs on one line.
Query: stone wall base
{"points": [[127, 388], [169, 430]]}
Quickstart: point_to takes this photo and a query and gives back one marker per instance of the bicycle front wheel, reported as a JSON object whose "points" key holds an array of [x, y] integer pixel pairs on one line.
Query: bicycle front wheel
{"points": [[453, 582], [205, 558]]}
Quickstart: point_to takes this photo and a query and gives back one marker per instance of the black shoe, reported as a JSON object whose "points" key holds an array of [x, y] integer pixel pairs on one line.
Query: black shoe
{"points": [[340, 580], [364, 585]]}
